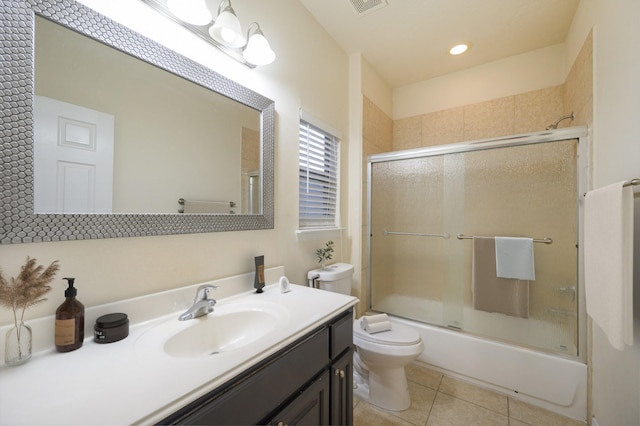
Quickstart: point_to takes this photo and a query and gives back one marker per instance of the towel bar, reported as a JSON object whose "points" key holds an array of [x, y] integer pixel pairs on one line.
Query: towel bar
{"points": [[213, 206], [632, 182], [181, 201], [545, 240]]}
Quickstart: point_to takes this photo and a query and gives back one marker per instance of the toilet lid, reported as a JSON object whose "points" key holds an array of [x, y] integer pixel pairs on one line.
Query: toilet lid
{"points": [[399, 335]]}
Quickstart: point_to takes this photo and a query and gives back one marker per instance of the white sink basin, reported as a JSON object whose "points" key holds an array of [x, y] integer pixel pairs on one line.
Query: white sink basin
{"points": [[209, 335], [228, 328]]}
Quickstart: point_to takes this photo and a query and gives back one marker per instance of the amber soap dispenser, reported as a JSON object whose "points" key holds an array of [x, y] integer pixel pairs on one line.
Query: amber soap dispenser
{"points": [[69, 321]]}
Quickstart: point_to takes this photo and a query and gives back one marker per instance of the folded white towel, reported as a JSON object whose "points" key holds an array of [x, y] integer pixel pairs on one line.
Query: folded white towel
{"points": [[377, 327], [514, 258], [372, 319], [608, 261]]}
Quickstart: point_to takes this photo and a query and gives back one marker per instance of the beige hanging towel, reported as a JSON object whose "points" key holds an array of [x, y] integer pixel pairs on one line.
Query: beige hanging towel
{"points": [[493, 294], [608, 261]]}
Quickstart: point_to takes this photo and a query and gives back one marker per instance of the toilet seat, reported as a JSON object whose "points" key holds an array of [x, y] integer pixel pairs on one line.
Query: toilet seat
{"points": [[399, 335]]}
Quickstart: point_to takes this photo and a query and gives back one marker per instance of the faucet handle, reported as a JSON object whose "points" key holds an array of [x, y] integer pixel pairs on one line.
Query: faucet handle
{"points": [[203, 292]]}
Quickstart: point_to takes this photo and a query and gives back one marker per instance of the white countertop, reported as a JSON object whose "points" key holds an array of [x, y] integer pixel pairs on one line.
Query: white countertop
{"points": [[125, 383]]}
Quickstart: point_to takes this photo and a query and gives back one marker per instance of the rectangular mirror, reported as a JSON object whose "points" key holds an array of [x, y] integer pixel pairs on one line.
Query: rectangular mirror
{"points": [[115, 135]]}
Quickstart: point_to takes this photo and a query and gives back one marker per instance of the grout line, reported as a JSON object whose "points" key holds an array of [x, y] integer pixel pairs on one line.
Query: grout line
{"points": [[432, 405]]}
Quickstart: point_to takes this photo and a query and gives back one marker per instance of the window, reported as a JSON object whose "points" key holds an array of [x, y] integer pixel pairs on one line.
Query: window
{"points": [[319, 163]]}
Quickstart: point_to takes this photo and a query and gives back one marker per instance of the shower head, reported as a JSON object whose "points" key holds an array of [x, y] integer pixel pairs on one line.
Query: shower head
{"points": [[564, 117]]}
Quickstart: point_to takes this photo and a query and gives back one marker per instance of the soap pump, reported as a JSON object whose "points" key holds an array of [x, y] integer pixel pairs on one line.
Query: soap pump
{"points": [[69, 333]]}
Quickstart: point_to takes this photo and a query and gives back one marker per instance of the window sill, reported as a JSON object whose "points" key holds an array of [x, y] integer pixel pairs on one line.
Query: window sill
{"points": [[317, 234]]}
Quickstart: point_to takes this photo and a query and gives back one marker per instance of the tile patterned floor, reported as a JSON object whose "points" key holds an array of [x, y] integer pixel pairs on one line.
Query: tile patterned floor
{"points": [[440, 400]]}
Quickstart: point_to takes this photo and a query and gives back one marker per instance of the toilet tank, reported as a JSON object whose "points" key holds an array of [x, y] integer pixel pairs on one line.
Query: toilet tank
{"points": [[335, 278]]}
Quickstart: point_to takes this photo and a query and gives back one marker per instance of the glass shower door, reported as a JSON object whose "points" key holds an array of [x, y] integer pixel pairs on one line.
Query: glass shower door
{"points": [[421, 270], [408, 277]]}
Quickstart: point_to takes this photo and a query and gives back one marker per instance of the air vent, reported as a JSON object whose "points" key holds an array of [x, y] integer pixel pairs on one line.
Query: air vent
{"points": [[362, 7]]}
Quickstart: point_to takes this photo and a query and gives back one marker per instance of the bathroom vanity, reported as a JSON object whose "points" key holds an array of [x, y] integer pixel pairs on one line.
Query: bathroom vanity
{"points": [[276, 358], [308, 382]]}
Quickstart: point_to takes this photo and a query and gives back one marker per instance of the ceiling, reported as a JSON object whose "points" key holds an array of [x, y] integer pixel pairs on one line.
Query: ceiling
{"points": [[408, 41]]}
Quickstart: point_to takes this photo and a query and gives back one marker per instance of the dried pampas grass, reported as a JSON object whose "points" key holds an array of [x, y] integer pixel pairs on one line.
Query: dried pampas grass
{"points": [[28, 288]]}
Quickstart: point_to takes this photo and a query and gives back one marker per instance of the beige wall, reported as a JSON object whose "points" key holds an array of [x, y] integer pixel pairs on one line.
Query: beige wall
{"points": [[517, 74]]}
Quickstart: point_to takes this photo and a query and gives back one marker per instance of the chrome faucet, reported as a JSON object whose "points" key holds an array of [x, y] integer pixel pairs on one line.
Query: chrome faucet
{"points": [[202, 305]]}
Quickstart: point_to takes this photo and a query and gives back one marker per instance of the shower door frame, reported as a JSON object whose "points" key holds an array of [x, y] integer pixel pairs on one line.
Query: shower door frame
{"points": [[580, 133]]}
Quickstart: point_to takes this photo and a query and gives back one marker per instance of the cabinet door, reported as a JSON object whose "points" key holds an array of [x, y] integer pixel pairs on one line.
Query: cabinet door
{"points": [[260, 393], [311, 407], [342, 390]]}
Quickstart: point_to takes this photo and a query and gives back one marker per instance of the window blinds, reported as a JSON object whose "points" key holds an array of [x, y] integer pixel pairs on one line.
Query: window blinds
{"points": [[318, 178]]}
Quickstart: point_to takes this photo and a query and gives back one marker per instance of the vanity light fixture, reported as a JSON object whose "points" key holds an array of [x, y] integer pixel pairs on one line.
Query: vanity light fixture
{"points": [[459, 49], [257, 51], [225, 33], [226, 29]]}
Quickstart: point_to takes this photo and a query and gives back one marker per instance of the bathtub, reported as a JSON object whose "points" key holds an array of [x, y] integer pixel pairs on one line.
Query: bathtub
{"points": [[551, 382]]}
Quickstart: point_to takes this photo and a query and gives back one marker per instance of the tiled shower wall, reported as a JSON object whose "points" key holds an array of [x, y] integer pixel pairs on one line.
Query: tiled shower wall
{"points": [[521, 113]]}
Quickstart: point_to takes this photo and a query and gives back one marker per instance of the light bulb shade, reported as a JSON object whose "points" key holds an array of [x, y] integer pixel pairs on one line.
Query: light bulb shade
{"points": [[258, 50], [191, 11], [227, 30]]}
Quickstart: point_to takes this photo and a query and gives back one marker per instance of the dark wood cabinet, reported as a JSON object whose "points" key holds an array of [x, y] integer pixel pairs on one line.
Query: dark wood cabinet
{"points": [[310, 407], [307, 383]]}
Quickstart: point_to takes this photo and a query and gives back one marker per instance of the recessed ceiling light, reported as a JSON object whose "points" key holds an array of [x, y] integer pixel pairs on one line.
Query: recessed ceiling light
{"points": [[459, 49]]}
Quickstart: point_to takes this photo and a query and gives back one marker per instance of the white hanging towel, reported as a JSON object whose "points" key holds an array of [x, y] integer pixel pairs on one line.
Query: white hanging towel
{"points": [[514, 258], [608, 261]]}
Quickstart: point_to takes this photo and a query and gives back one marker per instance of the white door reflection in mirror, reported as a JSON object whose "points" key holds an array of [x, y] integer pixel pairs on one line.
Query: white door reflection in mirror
{"points": [[73, 158]]}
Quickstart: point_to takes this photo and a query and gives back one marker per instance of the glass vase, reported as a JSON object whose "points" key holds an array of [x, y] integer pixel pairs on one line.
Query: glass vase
{"points": [[17, 345]]}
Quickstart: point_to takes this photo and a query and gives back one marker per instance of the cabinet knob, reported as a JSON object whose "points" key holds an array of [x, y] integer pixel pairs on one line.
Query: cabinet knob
{"points": [[282, 424], [339, 373]]}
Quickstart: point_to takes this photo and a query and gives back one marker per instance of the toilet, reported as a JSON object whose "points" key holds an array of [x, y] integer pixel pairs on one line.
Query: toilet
{"points": [[379, 358]]}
